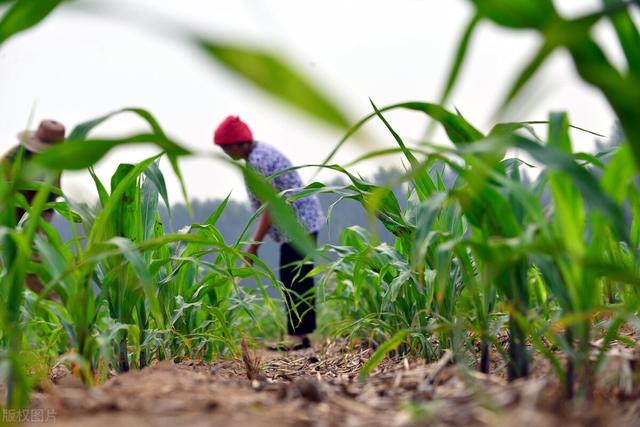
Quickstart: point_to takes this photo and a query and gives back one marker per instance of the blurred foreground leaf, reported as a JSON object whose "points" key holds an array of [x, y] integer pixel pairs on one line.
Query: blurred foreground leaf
{"points": [[81, 154], [280, 211], [78, 152], [23, 15], [277, 78]]}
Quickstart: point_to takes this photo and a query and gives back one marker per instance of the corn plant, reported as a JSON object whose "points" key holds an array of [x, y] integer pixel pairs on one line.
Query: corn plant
{"points": [[16, 237], [550, 260], [489, 245], [124, 291]]}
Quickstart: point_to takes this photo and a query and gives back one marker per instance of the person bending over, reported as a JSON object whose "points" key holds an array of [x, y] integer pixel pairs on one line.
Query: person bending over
{"points": [[236, 139]]}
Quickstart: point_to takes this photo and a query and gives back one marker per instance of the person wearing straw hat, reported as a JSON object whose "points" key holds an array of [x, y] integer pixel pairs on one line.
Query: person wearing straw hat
{"points": [[48, 133], [236, 140]]}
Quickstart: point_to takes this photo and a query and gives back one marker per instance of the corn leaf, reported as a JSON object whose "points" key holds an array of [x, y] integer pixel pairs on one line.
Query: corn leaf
{"points": [[24, 14], [277, 78], [517, 14], [81, 154], [380, 353]]}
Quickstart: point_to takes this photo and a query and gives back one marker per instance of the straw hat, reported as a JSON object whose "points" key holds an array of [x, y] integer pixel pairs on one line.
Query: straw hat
{"points": [[49, 132]]}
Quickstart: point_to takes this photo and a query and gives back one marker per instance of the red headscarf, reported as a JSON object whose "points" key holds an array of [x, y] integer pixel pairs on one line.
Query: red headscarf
{"points": [[232, 130]]}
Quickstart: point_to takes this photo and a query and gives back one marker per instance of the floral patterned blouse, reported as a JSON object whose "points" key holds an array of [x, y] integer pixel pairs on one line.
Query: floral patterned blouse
{"points": [[266, 161]]}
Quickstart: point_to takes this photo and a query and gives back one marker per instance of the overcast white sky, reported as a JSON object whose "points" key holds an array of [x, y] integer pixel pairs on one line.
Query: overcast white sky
{"points": [[81, 64]]}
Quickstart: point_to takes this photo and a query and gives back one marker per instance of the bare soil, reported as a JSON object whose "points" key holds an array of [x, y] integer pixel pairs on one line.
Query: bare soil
{"points": [[320, 387]]}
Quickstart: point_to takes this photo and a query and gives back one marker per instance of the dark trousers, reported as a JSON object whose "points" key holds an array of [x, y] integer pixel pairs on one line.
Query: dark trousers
{"points": [[299, 290]]}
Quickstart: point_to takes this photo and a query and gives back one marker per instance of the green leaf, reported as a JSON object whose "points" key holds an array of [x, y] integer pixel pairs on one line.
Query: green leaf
{"points": [[154, 174], [103, 196], [517, 13], [173, 160], [24, 14], [277, 78], [622, 93], [55, 263], [280, 211], [81, 154], [426, 216], [458, 61], [559, 132], [137, 261], [101, 222], [583, 180], [381, 352], [527, 73], [457, 128], [64, 210], [148, 200], [82, 130], [628, 36], [424, 184], [213, 218], [619, 174]]}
